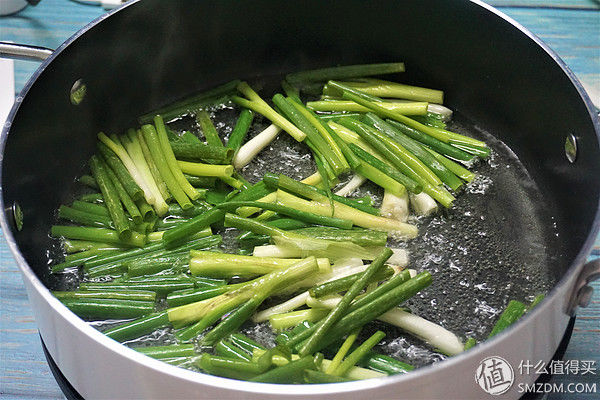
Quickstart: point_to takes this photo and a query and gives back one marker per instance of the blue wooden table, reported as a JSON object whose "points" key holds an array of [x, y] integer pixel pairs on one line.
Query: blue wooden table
{"points": [[570, 27]]}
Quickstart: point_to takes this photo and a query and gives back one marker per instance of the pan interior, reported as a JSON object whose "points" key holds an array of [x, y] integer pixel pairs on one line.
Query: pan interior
{"points": [[496, 79], [495, 244]]}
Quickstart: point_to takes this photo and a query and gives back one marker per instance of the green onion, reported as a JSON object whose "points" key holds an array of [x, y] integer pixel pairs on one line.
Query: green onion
{"points": [[206, 263], [401, 158], [113, 270], [430, 141], [130, 185], [373, 309], [309, 191], [453, 166], [173, 350], [174, 236], [187, 296], [156, 249], [416, 108], [98, 235], [385, 364], [73, 246], [470, 342], [409, 183], [227, 367], [245, 343], [326, 133], [293, 372], [369, 297], [114, 144], [362, 237], [359, 353], [88, 181], [154, 144], [255, 103], [336, 116], [252, 147], [415, 148], [198, 169], [200, 181], [200, 151], [440, 134], [138, 327], [234, 320], [514, 310], [344, 72], [111, 196], [135, 151], [435, 335], [128, 203], [225, 348], [341, 353], [314, 341], [291, 212], [154, 171], [197, 209], [146, 210], [322, 377], [343, 211], [102, 308], [252, 293], [381, 88], [168, 155], [293, 318], [85, 218], [313, 137], [342, 284], [536, 301], [141, 295], [160, 284], [210, 133], [92, 198], [153, 265], [238, 134]]}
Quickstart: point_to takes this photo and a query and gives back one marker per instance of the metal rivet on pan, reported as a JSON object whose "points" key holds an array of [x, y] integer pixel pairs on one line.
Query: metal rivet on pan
{"points": [[571, 148], [78, 91], [585, 296]]}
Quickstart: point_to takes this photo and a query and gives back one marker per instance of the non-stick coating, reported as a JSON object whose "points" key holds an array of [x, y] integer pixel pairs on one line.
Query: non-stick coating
{"points": [[155, 52]]}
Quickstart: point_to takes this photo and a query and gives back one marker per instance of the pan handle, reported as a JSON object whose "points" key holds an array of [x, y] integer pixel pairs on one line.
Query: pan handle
{"points": [[582, 292], [24, 52]]}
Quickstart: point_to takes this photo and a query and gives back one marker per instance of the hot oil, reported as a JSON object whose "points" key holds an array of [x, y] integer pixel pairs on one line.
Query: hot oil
{"points": [[492, 246]]}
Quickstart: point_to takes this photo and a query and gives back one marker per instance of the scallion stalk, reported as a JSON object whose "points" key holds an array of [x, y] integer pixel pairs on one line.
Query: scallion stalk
{"points": [[238, 134], [154, 144], [344, 72], [381, 88], [134, 149], [416, 108], [251, 148], [255, 103]]}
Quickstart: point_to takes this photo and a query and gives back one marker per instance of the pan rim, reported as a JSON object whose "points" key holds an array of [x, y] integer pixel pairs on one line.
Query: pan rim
{"points": [[250, 387]]}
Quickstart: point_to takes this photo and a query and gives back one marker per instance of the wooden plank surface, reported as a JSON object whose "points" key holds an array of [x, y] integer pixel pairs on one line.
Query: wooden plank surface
{"points": [[572, 28], [553, 4]]}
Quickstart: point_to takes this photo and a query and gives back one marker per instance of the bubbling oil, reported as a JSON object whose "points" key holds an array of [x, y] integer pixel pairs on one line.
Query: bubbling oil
{"points": [[492, 246]]}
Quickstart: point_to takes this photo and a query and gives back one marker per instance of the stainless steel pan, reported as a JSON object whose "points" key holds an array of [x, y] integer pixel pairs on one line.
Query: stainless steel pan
{"points": [[497, 76]]}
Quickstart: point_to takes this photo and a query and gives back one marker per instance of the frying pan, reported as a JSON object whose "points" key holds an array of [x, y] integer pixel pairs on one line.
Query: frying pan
{"points": [[496, 75]]}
